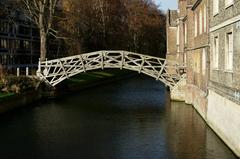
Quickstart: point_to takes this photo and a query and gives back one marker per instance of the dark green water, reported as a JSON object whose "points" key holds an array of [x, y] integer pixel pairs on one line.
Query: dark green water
{"points": [[131, 119]]}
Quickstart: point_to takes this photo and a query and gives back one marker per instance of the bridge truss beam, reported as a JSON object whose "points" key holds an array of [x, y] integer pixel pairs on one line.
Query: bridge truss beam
{"points": [[55, 71]]}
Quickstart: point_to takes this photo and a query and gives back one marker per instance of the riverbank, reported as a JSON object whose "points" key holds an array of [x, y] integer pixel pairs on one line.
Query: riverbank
{"points": [[11, 101], [5, 95]]}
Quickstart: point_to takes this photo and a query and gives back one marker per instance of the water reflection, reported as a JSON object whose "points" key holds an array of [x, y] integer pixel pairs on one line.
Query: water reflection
{"points": [[132, 119]]}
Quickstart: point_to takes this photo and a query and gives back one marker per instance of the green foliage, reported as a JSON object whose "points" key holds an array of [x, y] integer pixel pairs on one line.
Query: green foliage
{"points": [[4, 95]]}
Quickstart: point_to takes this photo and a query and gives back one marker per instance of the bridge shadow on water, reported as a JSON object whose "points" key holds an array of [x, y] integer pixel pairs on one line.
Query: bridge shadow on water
{"points": [[128, 119], [140, 96]]}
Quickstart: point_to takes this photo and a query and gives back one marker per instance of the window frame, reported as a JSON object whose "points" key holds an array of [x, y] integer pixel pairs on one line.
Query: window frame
{"points": [[215, 51], [204, 61], [185, 32], [228, 3], [205, 18], [200, 22], [196, 24], [215, 7], [3, 43], [229, 54], [178, 38]]}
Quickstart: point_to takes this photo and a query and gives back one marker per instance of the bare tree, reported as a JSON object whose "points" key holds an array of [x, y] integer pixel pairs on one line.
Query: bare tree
{"points": [[100, 4], [42, 13], [134, 25]]}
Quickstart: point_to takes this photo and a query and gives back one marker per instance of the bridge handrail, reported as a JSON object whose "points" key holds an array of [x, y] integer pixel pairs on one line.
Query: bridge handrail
{"points": [[107, 51]]}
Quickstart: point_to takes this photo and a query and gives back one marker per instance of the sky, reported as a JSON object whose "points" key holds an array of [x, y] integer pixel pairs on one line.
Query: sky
{"points": [[167, 4]]}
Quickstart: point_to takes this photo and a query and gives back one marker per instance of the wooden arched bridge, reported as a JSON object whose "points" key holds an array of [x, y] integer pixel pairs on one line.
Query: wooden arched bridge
{"points": [[55, 71]]}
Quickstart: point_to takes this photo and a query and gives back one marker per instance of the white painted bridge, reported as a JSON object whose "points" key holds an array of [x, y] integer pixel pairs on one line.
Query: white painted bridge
{"points": [[55, 71]]}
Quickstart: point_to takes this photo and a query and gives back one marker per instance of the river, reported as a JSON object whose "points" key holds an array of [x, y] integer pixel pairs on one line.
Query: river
{"points": [[129, 119]]}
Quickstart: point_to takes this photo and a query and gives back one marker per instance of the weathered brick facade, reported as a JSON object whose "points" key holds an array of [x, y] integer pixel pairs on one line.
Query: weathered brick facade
{"points": [[207, 40], [192, 49], [197, 50], [224, 83], [171, 23]]}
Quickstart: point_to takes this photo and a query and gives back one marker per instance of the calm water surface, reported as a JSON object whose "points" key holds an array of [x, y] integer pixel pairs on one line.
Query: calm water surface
{"points": [[131, 119]]}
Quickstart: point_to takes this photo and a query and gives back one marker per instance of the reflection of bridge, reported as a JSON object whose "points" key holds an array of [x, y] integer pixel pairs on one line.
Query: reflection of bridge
{"points": [[57, 70]]}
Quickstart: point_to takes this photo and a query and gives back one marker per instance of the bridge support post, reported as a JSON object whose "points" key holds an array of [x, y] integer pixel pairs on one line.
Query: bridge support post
{"points": [[83, 65], [61, 65], [102, 60], [122, 60], [39, 68], [141, 67], [162, 68]]}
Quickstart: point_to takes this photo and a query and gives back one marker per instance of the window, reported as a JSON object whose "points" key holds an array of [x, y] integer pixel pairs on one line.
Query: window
{"points": [[215, 7], [178, 39], [185, 58], [23, 30], [3, 43], [205, 18], [196, 25], [185, 32], [228, 3], [204, 61], [3, 27], [26, 45], [17, 44], [215, 52], [200, 22], [229, 51]]}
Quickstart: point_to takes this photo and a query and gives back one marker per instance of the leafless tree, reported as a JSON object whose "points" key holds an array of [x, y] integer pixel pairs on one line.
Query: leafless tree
{"points": [[42, 13], [134, 25]]}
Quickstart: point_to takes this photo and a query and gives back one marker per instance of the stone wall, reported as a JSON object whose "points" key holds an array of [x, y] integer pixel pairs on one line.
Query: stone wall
{"points": [[178, 92], [214, 93], [223, 113], [171, 31], [223, 116], [225, 13], [228, 78]]}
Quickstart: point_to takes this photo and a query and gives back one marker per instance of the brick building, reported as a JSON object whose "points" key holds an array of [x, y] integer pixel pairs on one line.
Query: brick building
{"points": [[205, 34], [187, 34], [224, 83], [171, 23], [197, 49]]}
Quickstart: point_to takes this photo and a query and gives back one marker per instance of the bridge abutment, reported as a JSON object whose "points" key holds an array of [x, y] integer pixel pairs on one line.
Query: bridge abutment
{"points": [[178, 93]]}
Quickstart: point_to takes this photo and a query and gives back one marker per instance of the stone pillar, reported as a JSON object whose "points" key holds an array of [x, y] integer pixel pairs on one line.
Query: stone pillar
{"points": [[18, 72], [27, 71]]}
